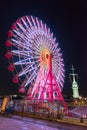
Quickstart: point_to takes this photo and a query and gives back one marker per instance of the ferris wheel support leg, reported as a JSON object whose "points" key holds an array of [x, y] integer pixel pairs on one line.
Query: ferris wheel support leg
{"points": [[61, 98], [50, 76], [41, 96], [66, 107]]}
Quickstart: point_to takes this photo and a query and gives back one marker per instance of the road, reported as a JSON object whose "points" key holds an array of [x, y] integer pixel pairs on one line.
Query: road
{"points": [[24, 123]]}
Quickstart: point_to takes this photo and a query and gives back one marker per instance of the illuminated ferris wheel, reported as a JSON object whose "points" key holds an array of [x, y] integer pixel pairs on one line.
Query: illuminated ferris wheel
{"points": [[33, 52]]}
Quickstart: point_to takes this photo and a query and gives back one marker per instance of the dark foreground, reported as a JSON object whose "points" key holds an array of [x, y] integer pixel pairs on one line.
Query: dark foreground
{"points": [[24, 123]]}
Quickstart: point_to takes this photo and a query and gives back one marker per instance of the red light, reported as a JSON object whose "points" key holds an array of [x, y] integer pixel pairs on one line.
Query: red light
{"points": [[8, 43], [21, 90], [10, 34], [15, 79], [13, 26], [8, 55], [11, 67]]}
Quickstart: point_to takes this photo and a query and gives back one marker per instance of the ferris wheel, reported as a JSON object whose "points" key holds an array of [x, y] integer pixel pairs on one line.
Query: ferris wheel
{"points": [[30, 42]]}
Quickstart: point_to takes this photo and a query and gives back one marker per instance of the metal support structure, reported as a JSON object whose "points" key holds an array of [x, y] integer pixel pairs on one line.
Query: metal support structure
{"points": [[49, 87]]}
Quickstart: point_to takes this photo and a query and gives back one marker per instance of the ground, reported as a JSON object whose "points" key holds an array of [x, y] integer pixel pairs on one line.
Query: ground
{"points": [[24, 123]]}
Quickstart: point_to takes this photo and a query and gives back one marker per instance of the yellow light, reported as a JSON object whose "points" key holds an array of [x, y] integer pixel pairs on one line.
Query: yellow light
{"points": [[80, 97], [45, 56]]}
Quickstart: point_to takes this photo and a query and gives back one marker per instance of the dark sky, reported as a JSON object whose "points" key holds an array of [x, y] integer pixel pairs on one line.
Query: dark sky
{"points": [[68, 22]]}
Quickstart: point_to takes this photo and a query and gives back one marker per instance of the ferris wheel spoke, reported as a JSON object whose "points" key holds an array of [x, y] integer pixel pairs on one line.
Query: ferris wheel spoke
{"points": [[45, 28], [28, 69], [20, 36], [17, 43], [56, 72], [23, 37], [36, 42], [60, 61], [51, 35], [37, 48], [61, 65], [33, 21], [57, 51], [21, 53], [21, 27], [28, 19], [24, 23], [37, 21], [26, 61], [42, 25], [61, 84], [25, 71], [61, 77], [56, 63], [34, 50], [54, 48], [54, 41], [37, 81], [62, 73], [31, 78], [22, 62], [24, 53], [48, 32], [60, 69], [29, 48]]}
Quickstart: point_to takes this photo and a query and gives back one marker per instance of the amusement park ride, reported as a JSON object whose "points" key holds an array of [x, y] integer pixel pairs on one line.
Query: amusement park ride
{"points": [[36, 61]]}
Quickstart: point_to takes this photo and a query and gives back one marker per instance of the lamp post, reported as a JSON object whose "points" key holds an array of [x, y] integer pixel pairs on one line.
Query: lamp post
{"points": [[81, 118]]}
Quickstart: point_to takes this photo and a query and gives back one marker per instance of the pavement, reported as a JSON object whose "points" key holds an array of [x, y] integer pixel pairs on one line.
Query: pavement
{"points": [[15, 122]]}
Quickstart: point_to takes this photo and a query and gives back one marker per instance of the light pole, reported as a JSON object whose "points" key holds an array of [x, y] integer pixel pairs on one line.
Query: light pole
{"points": [[81, 118]]}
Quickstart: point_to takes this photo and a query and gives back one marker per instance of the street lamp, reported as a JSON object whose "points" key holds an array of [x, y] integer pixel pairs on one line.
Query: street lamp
{"points": [[80, 103]]}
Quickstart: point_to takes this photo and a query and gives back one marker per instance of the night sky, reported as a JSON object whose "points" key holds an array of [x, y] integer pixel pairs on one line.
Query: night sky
{"points": [[66, 19]]}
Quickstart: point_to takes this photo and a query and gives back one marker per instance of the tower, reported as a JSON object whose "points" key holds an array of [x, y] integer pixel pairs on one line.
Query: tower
{"points": [[74, 84]]}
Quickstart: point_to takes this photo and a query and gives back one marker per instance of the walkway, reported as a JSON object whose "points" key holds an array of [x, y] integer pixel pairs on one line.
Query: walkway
{"points": [[24, 123]]}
